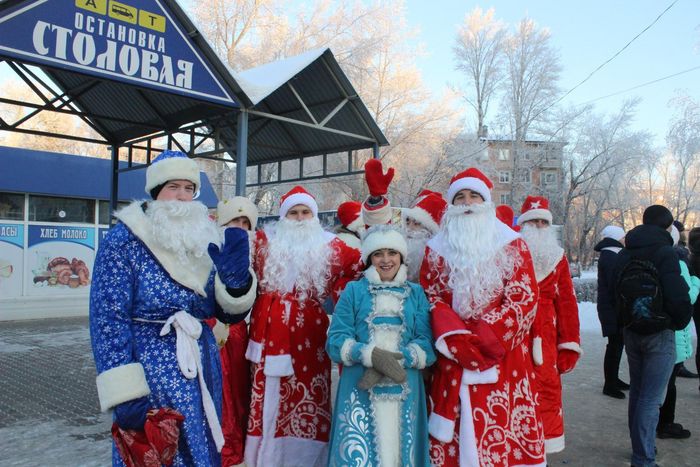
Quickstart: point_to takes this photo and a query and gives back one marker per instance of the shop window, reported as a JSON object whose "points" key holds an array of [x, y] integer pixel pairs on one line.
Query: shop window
{"points": [[103, 214], [67, 210], [11, 207]]}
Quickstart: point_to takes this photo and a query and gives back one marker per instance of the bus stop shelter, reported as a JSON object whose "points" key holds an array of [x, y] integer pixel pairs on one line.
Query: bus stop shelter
{"points": [[142, 77]]}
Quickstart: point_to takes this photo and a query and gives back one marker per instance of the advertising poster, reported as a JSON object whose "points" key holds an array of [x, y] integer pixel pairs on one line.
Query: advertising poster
{"points": [[59, 260], [11, 260]]}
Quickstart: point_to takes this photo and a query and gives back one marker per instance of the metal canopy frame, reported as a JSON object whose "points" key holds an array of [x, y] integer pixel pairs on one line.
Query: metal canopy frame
{"points": [[316, 113]]}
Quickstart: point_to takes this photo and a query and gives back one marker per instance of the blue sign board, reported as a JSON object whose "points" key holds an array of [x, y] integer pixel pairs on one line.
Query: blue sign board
{"points": [[133, 41], [12, 234], [54, 233]]}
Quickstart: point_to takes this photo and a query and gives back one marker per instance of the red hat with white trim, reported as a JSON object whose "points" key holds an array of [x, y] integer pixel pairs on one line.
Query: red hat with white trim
{"points": [[428, 211], [350, 215], [535, 207], [471, 179], [297, 195]]}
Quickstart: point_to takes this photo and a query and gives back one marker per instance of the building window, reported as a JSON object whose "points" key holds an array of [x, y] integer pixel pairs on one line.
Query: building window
{"points": [[505, 198], [504, 176], [524, 176], [503, 154], [550, 178], [11, 207], [103, 214], [68, 210]]}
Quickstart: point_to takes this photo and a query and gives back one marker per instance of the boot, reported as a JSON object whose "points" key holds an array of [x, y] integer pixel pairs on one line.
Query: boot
{"points": [[683, 372], [613, 392], [672, 430], [622, 385]]}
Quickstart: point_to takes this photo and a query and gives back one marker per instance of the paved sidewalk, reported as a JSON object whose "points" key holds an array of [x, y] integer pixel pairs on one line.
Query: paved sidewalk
{"points": [[49, 413]]}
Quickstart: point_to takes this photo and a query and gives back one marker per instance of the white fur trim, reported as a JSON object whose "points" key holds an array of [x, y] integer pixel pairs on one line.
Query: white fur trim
{"points": [[468, 183], [532, 214], [346, 351], [441, 345], [235, 305], [399, 279], [378, 239], [387, 338], [468, 450], [194, 277], [120, 384], [537, 357], [570, 346], [254, 351], [387, 420], [387, 303], [553, 445], [350, 240], [421, 356], [238, 206], [298, 198], [422, 216], [274, 452], [614, 249], [366, 354], [488, 376], [441, 428], [381, 215], [358, 225], [174, 168], [278, 365]]}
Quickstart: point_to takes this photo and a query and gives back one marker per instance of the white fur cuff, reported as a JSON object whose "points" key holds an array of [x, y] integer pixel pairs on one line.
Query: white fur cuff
{"points": [[570, 346], [377, 216], [366, 353], [553, 445], [278, 365], [419, 355], [441, 428], [235, 305], [120, 384], [346, 351]]}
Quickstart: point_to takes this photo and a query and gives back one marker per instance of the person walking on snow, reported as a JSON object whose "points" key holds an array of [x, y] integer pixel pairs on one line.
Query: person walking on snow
{"points": [[479, 277], [556, 332], [158, 274]]}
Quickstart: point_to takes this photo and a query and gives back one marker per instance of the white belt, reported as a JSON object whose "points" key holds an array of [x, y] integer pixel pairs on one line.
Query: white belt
{"points": [[189, 359]]}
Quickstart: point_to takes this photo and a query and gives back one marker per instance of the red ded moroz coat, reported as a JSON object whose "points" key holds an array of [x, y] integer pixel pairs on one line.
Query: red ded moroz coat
{"points": [[290, 409], [556, 327], [483, 409]]}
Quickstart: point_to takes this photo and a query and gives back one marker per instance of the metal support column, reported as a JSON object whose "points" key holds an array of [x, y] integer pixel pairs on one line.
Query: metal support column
{"points": [[375, 151], [114, 192], [241, 152]]}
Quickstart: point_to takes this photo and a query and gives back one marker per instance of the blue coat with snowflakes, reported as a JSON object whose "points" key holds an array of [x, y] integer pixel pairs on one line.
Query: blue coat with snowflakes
{"points": [[387, 424], [136, 287]]}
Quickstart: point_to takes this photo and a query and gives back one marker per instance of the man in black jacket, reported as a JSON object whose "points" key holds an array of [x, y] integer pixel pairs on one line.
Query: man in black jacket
{"points": [[651, 356], [609, 247]]}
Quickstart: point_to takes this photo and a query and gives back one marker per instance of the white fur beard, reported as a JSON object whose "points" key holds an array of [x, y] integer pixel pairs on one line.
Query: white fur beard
{"points": [[544, 248], [415, 240], [477, 265], [298, 258], [183, 227]]}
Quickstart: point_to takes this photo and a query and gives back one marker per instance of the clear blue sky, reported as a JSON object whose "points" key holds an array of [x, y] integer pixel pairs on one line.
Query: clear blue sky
{"points": [[586, 34]]}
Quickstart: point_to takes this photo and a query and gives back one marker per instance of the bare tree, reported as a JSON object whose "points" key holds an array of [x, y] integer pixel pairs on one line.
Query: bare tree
{"points": [[683, 140], [478, 53]]}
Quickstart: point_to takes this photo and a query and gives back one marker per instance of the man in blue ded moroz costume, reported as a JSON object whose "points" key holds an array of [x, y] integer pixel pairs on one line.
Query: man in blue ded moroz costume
{"points": [[159, 272]]}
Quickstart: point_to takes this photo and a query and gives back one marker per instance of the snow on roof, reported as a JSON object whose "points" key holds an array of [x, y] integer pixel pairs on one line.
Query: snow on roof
{"points": [[259, 82]]}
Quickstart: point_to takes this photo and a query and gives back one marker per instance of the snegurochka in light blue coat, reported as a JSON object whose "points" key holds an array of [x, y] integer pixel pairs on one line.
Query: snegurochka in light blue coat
{"points": [[380, 335]]}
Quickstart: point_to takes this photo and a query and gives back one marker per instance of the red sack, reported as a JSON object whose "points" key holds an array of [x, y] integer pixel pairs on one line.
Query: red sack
{"points": [[155, 445]]}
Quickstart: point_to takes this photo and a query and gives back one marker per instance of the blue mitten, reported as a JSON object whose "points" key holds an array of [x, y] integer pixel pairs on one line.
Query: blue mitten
{"points": [[131, 415], [232, 260]]}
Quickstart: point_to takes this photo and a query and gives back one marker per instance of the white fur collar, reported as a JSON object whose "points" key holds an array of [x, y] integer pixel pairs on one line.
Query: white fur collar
{"points": [[504, 236], [399, 280], [614, 249], [542, 275], [194, 277]]}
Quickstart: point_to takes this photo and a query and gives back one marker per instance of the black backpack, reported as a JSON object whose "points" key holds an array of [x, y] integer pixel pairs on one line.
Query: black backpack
{"points": [[639, 298]]}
